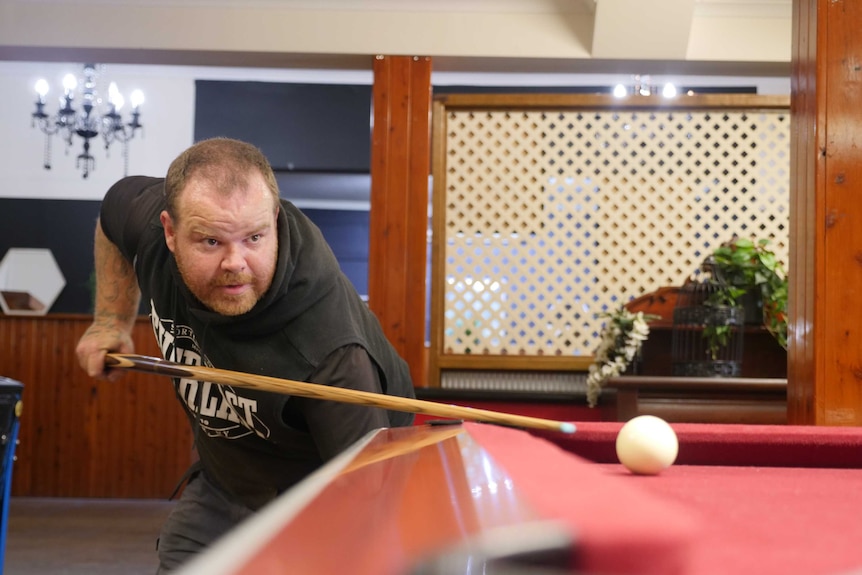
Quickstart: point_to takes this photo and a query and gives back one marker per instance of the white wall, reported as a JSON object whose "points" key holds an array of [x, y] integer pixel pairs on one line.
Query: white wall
{"points": [[168, 116]]}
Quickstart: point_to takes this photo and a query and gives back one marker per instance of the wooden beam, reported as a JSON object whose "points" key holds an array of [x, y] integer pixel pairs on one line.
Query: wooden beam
{"points": [[824, 366], [400, 167]]}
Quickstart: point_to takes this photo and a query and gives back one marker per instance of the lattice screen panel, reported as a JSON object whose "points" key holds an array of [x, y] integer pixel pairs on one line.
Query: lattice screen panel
{"points": [[555, 216]]}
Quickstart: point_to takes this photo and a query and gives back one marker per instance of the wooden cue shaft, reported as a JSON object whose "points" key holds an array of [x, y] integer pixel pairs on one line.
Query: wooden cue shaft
{"points": [[160, 366]]}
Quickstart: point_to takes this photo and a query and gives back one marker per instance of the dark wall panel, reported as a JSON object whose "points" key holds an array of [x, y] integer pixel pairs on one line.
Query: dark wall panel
{"points": [[304, 127], [347, 235], [66, 228]]}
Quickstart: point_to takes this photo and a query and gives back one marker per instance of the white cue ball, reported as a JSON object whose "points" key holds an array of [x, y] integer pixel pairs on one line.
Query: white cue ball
{"points": [[646, 445]]}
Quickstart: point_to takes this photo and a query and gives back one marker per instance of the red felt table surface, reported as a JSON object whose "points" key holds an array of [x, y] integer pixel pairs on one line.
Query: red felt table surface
{"points": [[765, 520], [766, 499]]}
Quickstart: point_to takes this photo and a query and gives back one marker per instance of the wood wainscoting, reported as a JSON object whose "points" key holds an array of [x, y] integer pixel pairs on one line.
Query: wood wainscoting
{"points": [[80, 437], [761, 401]]}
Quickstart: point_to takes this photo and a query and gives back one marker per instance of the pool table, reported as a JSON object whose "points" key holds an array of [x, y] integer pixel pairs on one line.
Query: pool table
{"points": [[476, 498]]}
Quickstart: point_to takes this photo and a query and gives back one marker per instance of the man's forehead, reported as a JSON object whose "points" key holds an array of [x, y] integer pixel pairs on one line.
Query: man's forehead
{"points": [[205, 188]]}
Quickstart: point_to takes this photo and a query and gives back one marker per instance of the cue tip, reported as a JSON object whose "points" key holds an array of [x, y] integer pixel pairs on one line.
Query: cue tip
{"points": [[567, 427]]}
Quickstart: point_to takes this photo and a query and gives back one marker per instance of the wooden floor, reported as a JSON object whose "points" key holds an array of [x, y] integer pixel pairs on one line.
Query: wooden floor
{"points": [[83, 536]]}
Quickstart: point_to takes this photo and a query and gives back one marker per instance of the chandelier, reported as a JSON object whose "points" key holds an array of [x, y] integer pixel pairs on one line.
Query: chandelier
{"points": [[91, 118]]}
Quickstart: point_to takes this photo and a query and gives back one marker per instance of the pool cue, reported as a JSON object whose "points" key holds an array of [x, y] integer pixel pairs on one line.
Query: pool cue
{"points": [[160, 366]]}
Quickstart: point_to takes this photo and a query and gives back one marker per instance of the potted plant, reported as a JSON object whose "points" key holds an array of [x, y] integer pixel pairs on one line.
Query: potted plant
{"points": [[744, 269]]}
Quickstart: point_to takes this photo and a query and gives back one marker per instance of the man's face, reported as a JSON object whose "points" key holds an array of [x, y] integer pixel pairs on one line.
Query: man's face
{"points": [[225, 246]]}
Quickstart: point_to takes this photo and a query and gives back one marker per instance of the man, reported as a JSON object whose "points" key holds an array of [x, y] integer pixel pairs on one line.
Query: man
{"points": [[236, 278]]}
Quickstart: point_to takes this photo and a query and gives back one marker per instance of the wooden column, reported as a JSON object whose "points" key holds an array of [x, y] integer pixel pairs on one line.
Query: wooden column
{"points": [[400, 167], [825, 308]]}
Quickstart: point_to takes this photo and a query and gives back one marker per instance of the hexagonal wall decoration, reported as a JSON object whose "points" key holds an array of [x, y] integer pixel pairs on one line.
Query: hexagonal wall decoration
{"points": [[30, 281]]}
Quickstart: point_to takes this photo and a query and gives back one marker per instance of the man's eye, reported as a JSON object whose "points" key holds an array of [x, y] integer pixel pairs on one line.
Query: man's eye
{"points": [[211, 242], [255, 238]]}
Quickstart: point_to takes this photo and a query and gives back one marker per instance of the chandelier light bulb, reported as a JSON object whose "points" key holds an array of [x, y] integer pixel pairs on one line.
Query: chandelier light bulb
{"points": [[620, 91], [70, 83], [42, 88], [114, 97], [137, 98], [669, 91]]}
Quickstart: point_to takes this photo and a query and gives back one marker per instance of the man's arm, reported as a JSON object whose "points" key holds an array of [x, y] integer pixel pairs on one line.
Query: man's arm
{"points": [[333, 425], [116, 307]]}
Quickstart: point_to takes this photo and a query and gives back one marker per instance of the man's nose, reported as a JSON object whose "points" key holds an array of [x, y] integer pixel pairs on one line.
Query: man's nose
{"points": [[234, 258]]}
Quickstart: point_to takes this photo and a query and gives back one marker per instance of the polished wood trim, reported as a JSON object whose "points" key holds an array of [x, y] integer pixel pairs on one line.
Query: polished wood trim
{"points": [[400, 167], [401, 444], [514, 362], [804, 159], [607, 101], [825, 379], [748, 410], [698, 399], [63, 316], [710, 384], [404, 495], [438, 232], [838, 370], [80, 437]]}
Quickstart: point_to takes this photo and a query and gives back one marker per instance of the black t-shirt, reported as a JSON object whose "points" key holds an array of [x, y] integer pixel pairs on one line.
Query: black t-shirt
{"points": [[310, 326]]}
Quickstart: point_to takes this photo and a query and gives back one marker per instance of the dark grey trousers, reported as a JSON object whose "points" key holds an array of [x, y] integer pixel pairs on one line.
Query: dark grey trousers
{"points": [[203, 514]]}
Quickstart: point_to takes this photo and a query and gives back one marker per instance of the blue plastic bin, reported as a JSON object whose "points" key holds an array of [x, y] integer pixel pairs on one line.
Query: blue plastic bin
{"points": [[10, 412]]}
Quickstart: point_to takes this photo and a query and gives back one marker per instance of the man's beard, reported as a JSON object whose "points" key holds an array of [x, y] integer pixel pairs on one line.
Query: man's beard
{"points": [[208, 292]]}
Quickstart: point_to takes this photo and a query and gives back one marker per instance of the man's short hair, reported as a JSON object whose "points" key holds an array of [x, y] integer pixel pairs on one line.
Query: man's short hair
{"points": [[224, 162]]}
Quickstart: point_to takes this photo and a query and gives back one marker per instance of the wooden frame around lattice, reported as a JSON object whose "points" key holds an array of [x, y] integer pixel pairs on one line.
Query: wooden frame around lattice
{"points": [[549, 209]]}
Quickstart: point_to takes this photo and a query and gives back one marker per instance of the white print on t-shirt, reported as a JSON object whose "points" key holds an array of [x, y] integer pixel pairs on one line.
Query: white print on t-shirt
{"points": [[221, 410]]}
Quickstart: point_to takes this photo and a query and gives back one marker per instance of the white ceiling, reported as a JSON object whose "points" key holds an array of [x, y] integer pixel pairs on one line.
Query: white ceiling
{"points": [[685, 36], [472, 42]]}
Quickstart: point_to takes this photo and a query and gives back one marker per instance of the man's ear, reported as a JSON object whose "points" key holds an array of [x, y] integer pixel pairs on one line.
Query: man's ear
{"points": [[170, 232]]}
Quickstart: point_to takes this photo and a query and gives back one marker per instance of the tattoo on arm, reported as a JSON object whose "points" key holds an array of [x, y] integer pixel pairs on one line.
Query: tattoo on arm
{"points": [[117, 292]]}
